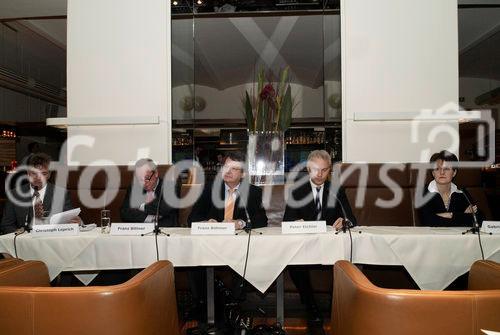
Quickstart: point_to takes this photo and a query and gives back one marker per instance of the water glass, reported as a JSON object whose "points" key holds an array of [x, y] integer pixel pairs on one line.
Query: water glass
{"points": [[105, 220]]}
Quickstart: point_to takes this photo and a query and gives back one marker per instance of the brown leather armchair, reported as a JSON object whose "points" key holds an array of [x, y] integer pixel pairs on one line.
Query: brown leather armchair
{"points": [[146, 304], [485, 275], [359, 307], [8, 263]]}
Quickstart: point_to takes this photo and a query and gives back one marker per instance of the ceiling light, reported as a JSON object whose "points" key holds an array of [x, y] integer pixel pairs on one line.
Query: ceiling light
{"points": [[199, 2], [175, 3]]}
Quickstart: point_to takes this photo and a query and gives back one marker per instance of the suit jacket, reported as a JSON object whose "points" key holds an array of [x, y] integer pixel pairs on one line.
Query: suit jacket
{"points": [[458, 204], [330, 210], [205, 208], [135, 196], [15, 216]]}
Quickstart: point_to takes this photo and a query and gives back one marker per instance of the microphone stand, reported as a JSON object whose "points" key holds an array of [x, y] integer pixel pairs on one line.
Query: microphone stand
{"points": [[475, 228], [28, 226], [156, 230]]}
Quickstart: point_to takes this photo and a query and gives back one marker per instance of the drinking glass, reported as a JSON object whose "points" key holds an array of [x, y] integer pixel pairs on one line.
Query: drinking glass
{"points": [[105, 220]]}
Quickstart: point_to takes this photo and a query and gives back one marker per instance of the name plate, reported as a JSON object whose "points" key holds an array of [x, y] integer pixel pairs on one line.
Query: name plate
{"points": [[67, 229], [139, 228], [491, 227], [212, 228], [303, 227]]}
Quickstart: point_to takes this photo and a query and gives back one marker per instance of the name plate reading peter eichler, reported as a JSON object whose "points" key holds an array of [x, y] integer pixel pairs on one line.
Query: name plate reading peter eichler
{"points": [[212, 228], [303, 227]]}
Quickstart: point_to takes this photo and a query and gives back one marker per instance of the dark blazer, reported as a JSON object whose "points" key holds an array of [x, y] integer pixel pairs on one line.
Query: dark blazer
{"points": [[330, 210], [205, 208], [136, 196], [458, 204], [56, 200]]}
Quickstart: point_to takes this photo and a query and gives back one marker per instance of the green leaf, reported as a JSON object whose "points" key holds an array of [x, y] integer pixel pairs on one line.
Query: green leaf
{"points": [[286, 110], [283, 80], [249, 112]]}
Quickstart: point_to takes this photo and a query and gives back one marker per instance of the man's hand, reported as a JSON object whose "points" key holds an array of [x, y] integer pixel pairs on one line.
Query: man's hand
{"points": [[471, 209], [76, 220], [446, 215], [212, 220], [338, 223]]}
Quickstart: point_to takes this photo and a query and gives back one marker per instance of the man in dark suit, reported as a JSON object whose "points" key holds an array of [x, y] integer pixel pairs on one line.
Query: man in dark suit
{"points": [[227, 200], [316, 199], [36, 199], [142, 198]]}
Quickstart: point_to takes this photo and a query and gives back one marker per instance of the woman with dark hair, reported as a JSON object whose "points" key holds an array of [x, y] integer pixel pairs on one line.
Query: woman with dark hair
{"points": [[447, 206]]}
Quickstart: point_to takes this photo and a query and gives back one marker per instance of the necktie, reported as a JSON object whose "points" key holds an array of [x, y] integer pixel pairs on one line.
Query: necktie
{"points": [[150, 196], [38, 206], [318, 204], [229, 208]]}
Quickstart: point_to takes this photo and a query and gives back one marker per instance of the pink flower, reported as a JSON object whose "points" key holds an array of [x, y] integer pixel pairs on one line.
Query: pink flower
{"points": [[268, 92]]}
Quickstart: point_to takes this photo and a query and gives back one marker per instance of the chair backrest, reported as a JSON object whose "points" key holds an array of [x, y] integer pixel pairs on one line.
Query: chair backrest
{"points": [[359, 307], [383, 191], [484, 275], [25, 273], [8, 263], [92, 180], [146, 304]]}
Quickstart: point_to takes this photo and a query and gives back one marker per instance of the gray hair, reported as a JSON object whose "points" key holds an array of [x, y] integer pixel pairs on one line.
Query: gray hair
{"points": [[322, 154]]}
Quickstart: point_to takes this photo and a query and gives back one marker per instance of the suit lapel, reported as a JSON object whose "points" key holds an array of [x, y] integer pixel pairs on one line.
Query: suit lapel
{"points": [[47, 198]]}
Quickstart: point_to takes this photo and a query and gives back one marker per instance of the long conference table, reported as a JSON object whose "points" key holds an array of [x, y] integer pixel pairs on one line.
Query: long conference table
{"points": [[434, 257]]}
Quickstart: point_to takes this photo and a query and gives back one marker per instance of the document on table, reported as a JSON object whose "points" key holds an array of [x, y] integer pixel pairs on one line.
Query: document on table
{"points": [[64, 217]]}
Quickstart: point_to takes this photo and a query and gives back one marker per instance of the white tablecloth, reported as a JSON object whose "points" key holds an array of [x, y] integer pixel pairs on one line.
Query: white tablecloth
{"points": [[433, 257]]}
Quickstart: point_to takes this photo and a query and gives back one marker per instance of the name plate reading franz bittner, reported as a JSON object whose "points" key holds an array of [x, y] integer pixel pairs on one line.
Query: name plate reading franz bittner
{"points": [[303, 227], [66, 229], [139, 228], [492, 227], [212, 228]]}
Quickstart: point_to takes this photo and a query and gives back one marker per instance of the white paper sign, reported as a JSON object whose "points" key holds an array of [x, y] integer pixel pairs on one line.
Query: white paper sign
{"points": [[139, 228], [303, 227], [64, 217], [68, 229], [491, 227], [212, 228]]}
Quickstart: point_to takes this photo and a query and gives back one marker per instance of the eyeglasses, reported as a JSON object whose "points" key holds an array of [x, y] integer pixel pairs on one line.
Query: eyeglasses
{"points": [[151, 175], [316, 170]]}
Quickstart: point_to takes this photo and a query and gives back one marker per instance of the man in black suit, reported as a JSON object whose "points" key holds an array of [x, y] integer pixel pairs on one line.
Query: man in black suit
{"points": [[228, 200], [36, 199], [142, 198], [316, 199]]}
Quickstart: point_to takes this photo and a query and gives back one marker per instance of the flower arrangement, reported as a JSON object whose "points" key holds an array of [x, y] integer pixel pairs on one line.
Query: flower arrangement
{"points": [[271, 109]]}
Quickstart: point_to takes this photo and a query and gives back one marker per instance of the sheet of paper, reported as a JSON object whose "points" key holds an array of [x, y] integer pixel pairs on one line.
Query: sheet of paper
{"points": [[64, 217]]}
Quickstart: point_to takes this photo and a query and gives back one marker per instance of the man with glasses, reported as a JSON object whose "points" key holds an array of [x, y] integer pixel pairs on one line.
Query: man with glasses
{"points": [[317, 199], [236, 198], [228, 200], [142, 198], [35, 200]]}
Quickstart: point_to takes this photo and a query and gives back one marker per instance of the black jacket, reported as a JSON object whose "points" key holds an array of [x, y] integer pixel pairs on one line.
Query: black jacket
{"points": [[330, 210], [136, 196], [458, 204], [205, 208], [56, 200]]}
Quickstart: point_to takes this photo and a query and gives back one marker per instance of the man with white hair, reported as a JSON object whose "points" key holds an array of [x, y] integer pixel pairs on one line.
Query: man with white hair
{"points": [[322, 201]]}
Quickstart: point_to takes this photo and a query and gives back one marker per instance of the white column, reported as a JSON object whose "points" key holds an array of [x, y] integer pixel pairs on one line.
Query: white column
{"points": [[398, 58], [118, 59]]}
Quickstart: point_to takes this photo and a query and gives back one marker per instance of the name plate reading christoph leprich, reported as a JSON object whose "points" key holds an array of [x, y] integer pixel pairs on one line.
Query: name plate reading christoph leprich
{"points": [[67, 229], [212, 228], [303, 227], [120, 228]]}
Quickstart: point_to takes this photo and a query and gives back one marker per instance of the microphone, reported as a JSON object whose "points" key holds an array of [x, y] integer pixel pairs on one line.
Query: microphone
{"points": [[248, 226], [346, 223], [28, 225], [474, 217], [475, 228]]}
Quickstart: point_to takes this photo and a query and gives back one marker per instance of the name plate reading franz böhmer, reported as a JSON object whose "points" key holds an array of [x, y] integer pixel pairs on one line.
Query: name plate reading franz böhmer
{"points": [[303, 227], [212, 228], [66, 229], [131, 229]]}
